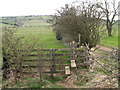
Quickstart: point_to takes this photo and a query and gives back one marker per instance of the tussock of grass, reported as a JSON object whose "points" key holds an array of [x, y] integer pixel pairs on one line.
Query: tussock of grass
{"points": [[79, 84], [58, 86], [29, 82], [54, 79]]}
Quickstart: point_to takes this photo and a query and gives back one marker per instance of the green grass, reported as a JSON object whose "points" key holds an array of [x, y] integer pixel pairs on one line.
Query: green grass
{"points": [[111, 41], [5, 25], [79, 84], [10, 21], [54, 79], [35, 23], [30, 82], [58, 86], [44, 34]]}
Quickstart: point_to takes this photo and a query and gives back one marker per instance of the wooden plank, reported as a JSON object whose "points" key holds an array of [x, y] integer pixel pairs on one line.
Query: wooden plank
{"points": [[39, 54], [69, 54], [54, 72], [32, 55], [30, 60], [55, 59], [35, 60], [84, 64], [57, 65], [61, 49], [33, 66], [29, 66], [51, 64], [57, 54], [44, 72], [66, 59], [29, 72]]}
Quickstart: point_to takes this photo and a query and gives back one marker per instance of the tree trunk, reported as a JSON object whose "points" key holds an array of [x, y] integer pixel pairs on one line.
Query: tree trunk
{"points": [[109, 28], [109, 32]]}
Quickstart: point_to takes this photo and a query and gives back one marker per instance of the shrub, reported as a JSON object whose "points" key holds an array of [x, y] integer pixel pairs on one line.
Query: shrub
{"points": [[84, 20], [12, 44]]}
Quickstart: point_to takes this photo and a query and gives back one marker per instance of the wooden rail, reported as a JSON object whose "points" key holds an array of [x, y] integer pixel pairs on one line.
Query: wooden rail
{"points": [[52, 59]]}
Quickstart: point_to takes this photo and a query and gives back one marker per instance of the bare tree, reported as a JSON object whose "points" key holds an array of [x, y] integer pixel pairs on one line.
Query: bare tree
{"points": [[110, 10], [84, 19]]}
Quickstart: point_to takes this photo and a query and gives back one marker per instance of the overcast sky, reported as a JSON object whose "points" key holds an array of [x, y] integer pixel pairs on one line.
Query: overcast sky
{"points": [[31, 7]]}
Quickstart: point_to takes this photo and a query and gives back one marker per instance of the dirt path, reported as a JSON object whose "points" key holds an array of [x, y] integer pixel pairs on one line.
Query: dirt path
{"points": [[104, 48], [69, 82]]}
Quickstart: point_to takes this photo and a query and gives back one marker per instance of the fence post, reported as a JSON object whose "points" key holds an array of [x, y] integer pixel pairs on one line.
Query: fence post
{"points": [[79, 39], [77, 64], [51, 63], [40, 66]]}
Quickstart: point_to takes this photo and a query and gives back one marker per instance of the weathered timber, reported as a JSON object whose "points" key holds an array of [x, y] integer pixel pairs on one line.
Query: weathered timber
{"points": [[57, 54], [44, 72], [62, 49], [40, 67], [30, 66], [53, 60]]}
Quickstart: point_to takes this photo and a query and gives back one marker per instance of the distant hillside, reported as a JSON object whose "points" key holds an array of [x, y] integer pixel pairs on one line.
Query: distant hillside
{"points": [[17, 21]]}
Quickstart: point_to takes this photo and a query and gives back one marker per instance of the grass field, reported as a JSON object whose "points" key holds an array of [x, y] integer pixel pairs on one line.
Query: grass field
{"points": [[111, 41], [36, 27], [44, 34]]}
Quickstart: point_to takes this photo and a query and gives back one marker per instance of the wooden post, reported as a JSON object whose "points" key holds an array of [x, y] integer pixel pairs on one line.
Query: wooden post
{"points": [[77, 64], [79, 39], [51, 63], [40, 67]]}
